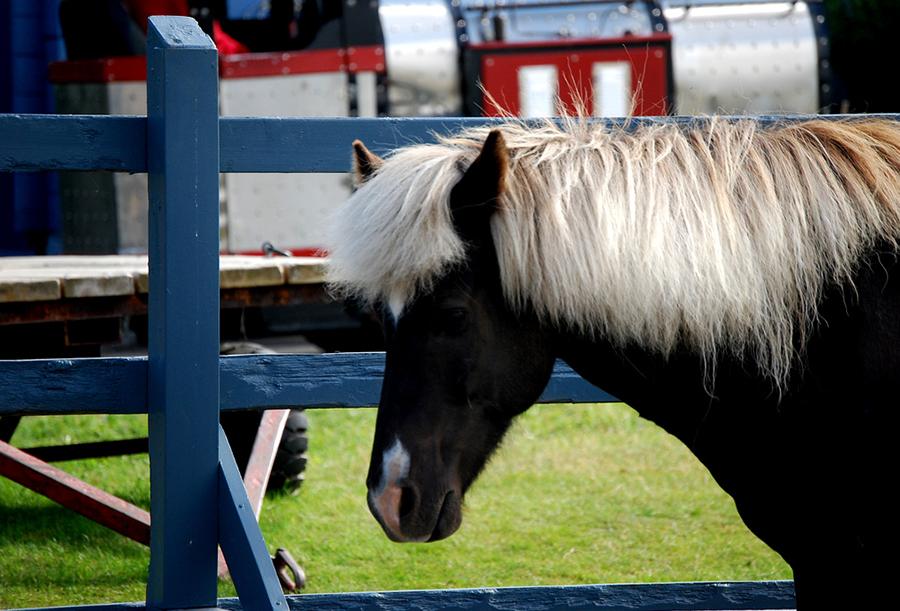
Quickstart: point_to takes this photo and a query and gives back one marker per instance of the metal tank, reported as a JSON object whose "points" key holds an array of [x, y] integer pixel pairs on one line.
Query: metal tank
{"points": [[748, 57], [517, 21], [424, 40], [728, 56], [422, 56]]}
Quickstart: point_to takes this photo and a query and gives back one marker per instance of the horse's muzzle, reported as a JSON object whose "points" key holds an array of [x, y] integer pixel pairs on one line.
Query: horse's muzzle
{"points": [[407, 516]]}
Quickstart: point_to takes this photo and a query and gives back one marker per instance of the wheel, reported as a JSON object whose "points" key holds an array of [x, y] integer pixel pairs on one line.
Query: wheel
{"points": [[290, 460]]}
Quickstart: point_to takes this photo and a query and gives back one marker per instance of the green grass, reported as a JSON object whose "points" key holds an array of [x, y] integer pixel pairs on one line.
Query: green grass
{"points": [[578, 494]]}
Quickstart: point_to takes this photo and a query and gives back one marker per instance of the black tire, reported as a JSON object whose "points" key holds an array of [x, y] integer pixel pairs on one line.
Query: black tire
{"points": [[241, 427], [290, 460]]}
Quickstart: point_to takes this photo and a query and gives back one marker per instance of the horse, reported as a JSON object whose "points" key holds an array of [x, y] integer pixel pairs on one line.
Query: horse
{"points": [[733, 282]]}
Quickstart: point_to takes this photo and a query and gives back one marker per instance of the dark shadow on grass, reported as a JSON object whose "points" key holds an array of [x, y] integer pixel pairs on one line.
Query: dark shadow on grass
{"points": [[39, 525]]}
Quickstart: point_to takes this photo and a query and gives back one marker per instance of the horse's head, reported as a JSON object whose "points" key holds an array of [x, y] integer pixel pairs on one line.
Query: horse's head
{"points": [[460, 365]]}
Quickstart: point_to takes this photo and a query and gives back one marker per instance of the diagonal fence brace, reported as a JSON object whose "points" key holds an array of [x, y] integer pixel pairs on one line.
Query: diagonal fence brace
{"points": [[242, 542]]}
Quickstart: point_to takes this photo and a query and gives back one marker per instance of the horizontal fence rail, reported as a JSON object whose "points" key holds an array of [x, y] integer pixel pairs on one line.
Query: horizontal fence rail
{"points": [[698, 596], [270, 381], [254, 144]]}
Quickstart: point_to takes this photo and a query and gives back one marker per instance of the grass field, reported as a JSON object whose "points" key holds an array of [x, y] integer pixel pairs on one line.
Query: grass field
{"points": [[578, 494]]}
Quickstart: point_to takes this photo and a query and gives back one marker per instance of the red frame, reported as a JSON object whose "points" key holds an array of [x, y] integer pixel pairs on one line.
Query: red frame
{"points": [[649, 57], [242, 65]]}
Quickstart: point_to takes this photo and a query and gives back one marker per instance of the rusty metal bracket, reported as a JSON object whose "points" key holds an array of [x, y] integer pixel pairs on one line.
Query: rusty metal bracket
{"points": [[289, 573]]}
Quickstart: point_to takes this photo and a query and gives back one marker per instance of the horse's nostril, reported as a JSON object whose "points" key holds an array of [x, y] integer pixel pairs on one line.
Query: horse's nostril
{"points": [[407, 501]]}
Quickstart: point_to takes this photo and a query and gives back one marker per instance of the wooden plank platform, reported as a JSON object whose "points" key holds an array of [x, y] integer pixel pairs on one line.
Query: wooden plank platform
{"points": [[29, 279]]}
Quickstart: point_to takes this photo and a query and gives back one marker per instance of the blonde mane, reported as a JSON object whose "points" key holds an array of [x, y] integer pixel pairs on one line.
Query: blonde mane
{"points": [[718, 236]]}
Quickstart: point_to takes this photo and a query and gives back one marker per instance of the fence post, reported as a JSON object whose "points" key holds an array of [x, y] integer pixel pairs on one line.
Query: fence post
{"points": [[183, 372]]}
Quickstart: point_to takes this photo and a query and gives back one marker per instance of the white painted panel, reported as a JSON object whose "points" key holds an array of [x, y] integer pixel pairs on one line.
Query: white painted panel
{"points": [[612, 89], [366, 94], [537, 91], [294, 95], [289, 210], [130, 98]]}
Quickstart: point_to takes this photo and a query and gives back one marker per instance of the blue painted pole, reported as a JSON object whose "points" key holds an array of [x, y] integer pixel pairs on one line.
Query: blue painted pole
{"points": [[183, 361]]}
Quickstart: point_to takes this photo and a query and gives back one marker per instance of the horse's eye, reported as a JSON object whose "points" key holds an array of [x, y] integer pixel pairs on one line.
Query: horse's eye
{"points": [[451, 321]]}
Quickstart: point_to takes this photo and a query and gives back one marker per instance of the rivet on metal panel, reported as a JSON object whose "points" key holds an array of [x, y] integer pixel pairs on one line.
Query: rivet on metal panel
{"points": [[659, 27], [592, 16], [350, 50], [574, 59], [820, 19], [656, 12], [461, 23], [489, 62]]}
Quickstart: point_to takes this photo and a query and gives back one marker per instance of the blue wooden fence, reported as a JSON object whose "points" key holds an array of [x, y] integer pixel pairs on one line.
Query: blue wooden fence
{"points": [[197, 495]]}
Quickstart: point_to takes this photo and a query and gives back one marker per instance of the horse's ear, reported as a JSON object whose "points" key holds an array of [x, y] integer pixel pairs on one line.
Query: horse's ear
{"points": [[474, 198], [365, 162]]}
